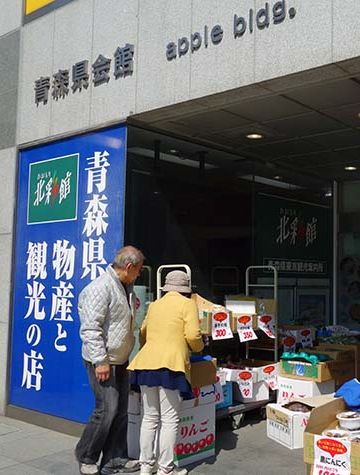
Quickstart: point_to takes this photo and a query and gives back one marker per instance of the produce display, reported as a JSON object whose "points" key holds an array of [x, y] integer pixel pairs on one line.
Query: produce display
{"points": [[349, 420], [297, 407], [340, 340], [336, 433]]}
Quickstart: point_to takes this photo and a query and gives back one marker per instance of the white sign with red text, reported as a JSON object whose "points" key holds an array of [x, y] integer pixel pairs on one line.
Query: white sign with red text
{"points": [[306, 338], [332, 456], [289, 341], [219, 395], [270, 376], [266, 324], [221, 327], [196, 435], [246, 384], [245, 329], [221, 377]]}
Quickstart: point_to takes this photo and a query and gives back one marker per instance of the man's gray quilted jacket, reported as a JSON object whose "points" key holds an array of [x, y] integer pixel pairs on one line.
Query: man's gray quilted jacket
{"points": [[106, 321]]}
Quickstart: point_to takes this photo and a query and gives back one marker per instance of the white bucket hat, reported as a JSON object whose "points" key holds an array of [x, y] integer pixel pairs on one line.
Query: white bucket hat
{"points": [[177, 281]]}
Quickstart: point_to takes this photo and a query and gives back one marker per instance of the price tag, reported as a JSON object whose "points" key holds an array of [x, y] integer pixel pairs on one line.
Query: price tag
{"points": [[246, 384], [219, 393], [266, 324], [270, 374], [245, 329], [221, 377], [306, 338], [289, 341], [332, 456], [221, 328]]}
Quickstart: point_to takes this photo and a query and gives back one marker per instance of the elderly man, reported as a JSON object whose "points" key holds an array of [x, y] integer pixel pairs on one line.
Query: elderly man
{"points": [[107, 338]]}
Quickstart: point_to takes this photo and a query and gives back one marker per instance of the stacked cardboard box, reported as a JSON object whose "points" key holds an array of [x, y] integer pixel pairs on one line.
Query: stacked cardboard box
{"points": [[340, 369], [286, 426], [290, 388], [326, 454], [259, 370], [354, 348]]}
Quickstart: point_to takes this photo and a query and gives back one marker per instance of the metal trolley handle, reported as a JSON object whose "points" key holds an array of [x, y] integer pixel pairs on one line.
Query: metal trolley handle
{"points": [[274, 286]]}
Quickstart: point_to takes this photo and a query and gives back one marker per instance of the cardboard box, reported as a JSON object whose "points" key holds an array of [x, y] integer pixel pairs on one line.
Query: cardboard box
{"points": [[205, 313], [203, 396], [260, 393], [227, 396], [196, 436], [205, 319], [322, 418], [201, 303], [241, 304], [340, 371], [287, 427], [203, 373], [355, 348], [266, 306], [290, 389], [256, 367], [234, 316], [336, 354]]}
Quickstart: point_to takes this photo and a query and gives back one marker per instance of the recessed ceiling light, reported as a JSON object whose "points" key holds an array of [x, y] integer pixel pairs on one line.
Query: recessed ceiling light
{"points": [[350, 169], [254, 136], [328, 194], [173, 150], [277, 177]]}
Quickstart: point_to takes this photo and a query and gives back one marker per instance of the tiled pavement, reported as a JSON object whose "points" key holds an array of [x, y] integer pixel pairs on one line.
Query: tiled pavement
{"points": [[30, 450]]}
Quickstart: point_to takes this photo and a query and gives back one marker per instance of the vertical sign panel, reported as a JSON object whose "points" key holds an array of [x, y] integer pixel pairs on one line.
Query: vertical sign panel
{"points": [[69, 226], [293, 236]]}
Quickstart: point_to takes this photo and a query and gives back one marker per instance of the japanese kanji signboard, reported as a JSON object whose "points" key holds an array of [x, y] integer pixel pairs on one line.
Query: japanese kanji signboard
{"points": [[53, 190], [62, 82], [292, 236], [69, 226]]}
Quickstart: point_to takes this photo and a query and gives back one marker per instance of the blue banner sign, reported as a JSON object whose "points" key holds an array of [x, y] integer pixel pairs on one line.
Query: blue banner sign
{"points": [[70, 223]]}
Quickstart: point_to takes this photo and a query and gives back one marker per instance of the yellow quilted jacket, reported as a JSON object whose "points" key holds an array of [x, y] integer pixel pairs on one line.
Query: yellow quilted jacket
{"points": [[170, 329]]}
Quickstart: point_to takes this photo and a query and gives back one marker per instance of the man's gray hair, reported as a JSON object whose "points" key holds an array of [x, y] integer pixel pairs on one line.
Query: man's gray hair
{"points": [[128, 255]]}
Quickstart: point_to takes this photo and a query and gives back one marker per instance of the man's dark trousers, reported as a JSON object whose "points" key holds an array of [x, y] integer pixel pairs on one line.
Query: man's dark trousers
{"points": [[106, 431]]}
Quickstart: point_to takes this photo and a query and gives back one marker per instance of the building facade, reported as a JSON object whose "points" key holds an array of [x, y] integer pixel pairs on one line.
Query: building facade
{"points": [[186, 69]]}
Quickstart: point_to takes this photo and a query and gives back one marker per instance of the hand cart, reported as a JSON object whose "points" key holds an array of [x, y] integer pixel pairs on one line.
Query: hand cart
{"points": [[273, 286], [237, 412]]}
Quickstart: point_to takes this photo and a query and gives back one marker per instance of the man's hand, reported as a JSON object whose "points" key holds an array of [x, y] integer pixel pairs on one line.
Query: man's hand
{"points": [[102, 372]]}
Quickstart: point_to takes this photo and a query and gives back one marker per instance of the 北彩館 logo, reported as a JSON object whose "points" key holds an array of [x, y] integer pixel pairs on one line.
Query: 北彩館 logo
{"points": [[53, 190]]}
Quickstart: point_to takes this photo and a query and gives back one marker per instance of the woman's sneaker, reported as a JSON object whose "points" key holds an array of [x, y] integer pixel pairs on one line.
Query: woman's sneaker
{"points": [[176, 471], [148, 469]]}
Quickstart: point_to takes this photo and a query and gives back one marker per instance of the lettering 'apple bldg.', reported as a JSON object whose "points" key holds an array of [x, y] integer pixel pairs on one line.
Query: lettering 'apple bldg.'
{"points": [[214, 134]]}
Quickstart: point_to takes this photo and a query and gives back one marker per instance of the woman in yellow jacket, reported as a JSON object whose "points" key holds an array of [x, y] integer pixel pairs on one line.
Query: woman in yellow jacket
{"points": [[162, 369]]}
